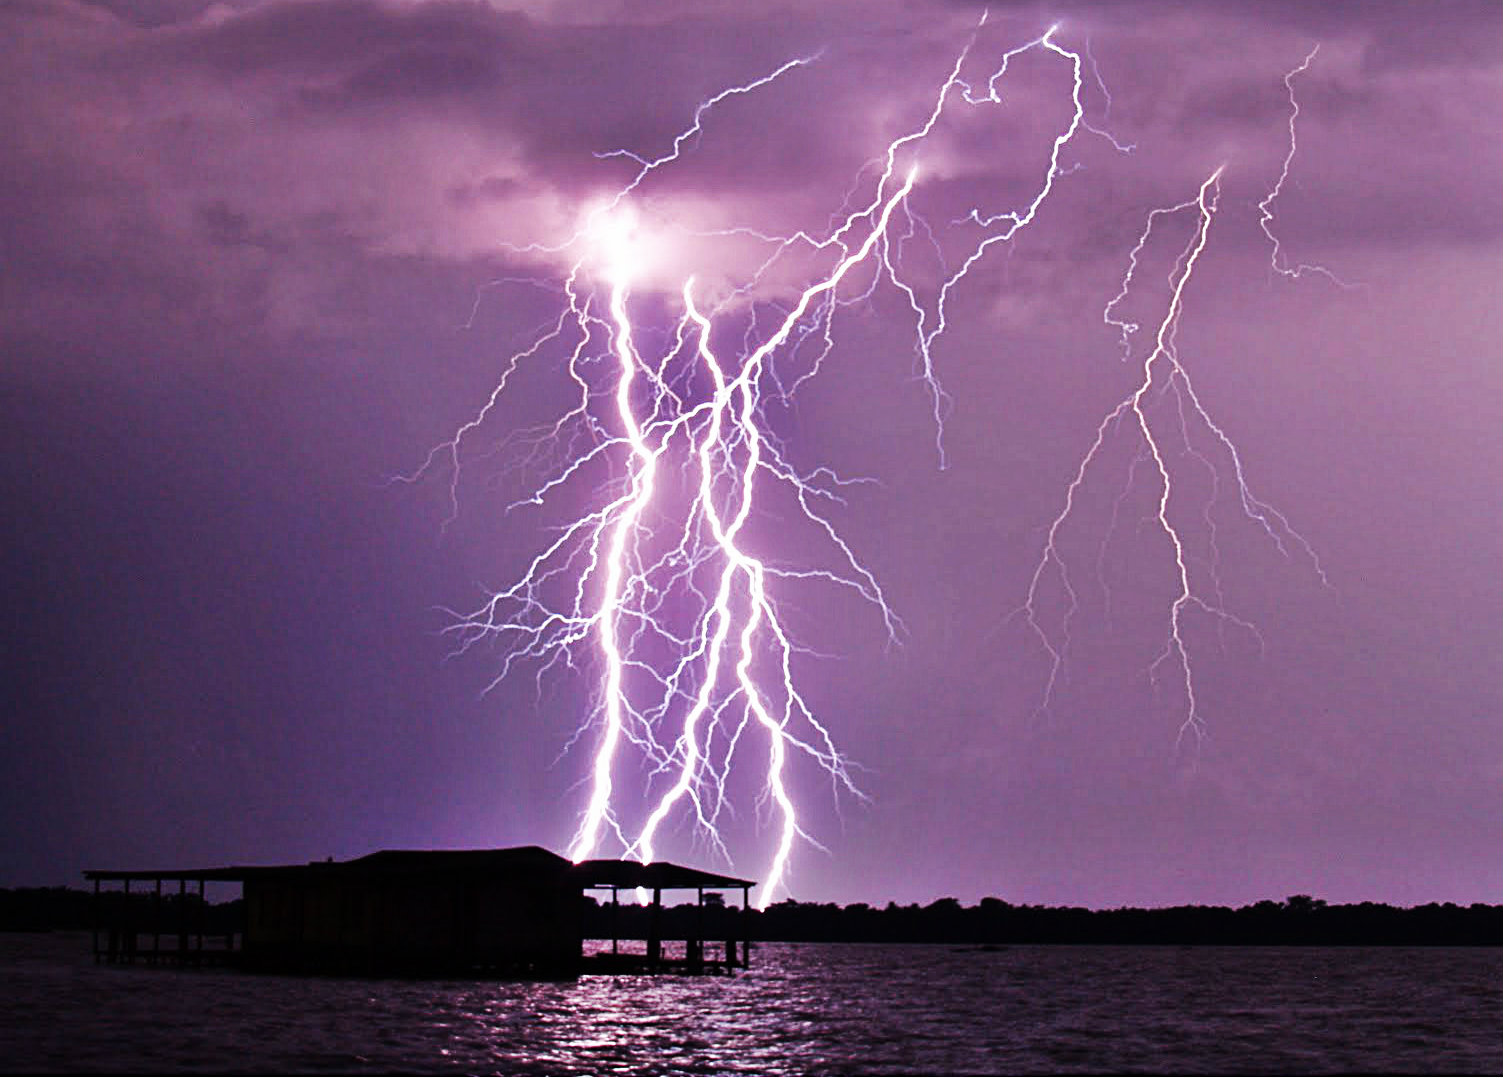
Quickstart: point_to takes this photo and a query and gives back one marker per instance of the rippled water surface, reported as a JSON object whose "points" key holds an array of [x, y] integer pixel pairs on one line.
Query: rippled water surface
{"points": [[802, 1009]]}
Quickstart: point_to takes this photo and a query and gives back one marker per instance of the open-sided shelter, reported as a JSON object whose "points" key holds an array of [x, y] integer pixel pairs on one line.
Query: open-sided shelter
{"points": [[505, 911]]}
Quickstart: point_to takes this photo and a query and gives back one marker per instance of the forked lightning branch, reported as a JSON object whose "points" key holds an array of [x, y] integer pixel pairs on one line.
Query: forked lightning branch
{"points": [[663, 591]]}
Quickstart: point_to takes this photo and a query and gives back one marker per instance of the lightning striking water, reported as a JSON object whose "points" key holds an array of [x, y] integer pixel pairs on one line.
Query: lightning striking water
{"points": [[660, 589]]}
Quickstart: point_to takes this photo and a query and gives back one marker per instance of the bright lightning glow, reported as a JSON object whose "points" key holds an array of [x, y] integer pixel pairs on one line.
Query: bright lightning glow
{"points": [[615, 245]]}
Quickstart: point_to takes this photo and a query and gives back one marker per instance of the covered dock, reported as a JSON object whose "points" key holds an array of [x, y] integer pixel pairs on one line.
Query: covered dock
{"points": [[165, 918], [705, 951], [517, 911]]}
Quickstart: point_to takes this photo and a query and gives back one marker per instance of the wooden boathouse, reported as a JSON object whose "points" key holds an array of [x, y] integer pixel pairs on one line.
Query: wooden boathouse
{"points": [[518, 911]]}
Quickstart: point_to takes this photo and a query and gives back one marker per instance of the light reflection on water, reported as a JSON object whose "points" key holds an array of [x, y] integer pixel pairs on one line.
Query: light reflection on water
{"points": [[805, 1009]]}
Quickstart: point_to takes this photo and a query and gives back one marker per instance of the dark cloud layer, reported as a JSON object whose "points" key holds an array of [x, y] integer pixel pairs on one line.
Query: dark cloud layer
{"points": [[386, 123], [239, 241]]}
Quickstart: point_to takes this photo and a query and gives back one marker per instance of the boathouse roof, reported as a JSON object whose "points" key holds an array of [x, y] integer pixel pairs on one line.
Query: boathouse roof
{"points": [[516, 860]]}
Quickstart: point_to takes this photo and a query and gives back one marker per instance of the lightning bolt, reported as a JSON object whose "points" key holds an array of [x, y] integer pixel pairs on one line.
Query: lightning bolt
{"points": [[1163, 375], [658, 590], [1276, 259]]}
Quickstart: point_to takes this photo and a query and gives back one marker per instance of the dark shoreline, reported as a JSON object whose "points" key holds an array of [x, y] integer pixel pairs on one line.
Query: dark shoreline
{"points": [[1300, 920]]}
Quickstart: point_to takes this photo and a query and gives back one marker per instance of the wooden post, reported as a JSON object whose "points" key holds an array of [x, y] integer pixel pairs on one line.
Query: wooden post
{"points": [[128, 925], [696, 947], [615, 920], [203, 912], [654, 933], [728, 922], [745, 928], [182, 920], [156, 923], [94, 919]]}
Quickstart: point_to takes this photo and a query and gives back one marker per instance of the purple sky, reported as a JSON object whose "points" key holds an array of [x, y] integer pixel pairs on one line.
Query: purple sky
{"points": [[239, 246]]}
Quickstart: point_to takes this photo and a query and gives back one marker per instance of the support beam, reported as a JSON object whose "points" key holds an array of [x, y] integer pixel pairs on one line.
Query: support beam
{"points": [[127, 928], [156, 923], [654, 930], [182, 919], [695, 948], [745, 928]]}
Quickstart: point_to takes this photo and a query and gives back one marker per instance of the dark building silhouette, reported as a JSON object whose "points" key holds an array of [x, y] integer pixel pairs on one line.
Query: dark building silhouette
{"points": [[519, 911]]}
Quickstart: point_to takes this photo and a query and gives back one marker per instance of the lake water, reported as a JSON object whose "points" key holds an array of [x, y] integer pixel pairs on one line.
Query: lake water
{"points": [[801, 1009]]}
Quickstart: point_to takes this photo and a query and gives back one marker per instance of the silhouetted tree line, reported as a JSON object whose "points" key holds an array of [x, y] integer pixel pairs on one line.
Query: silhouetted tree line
{"points": [[1300, 919], [42, 909]]}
